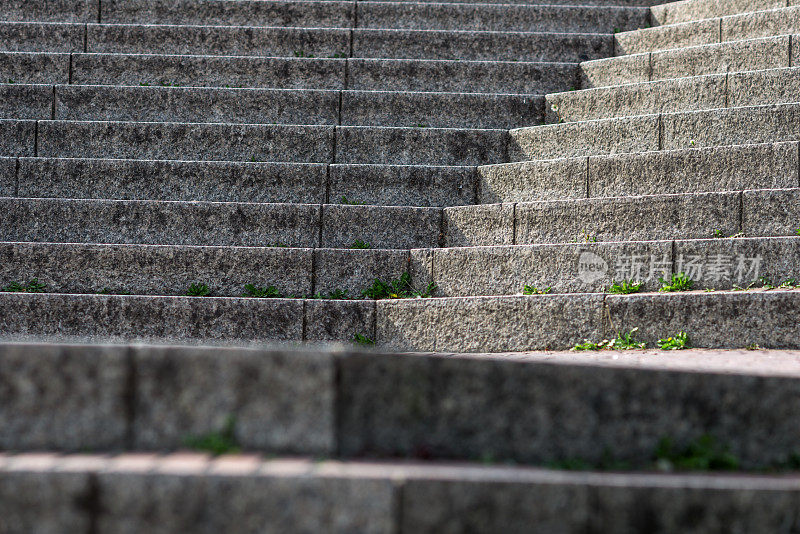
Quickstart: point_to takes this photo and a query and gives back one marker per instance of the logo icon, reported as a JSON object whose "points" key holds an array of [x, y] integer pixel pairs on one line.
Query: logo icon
{"points": [[591, 267]]}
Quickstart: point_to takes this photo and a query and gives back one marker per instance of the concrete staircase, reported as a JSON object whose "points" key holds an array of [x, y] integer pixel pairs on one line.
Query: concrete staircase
{"points": [[301, 150]]}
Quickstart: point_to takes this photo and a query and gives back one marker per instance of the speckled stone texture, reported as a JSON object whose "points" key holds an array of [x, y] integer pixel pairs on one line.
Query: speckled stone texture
{"points": [[176, 104], [615, 71], [334, 14], [419, 146], [172, 502], [628, 218], [695, 33], [356, 270], [52, 10], [475, 45], [36, 500], [8, 168], [726, 263], [41, 37], [684, 94], [766, 166], [402, 185], [716, 320], [339, 320], [150, 140], [393, 227], [758, 124], [533, 180], [495, 323], [524, 18], [407, 406], [156, 270], [212, 71], [280, 401], [19, 137], [62, 398], [148, 222], [608, 136], [34, 67], [490, 224], [465, 76], [687, 10], [777, 86], [216, 181], [465, 110], [217, 40], [770, 213], [760, 23], [189, 320], [26, 101], [749, 54], [560, 268]]}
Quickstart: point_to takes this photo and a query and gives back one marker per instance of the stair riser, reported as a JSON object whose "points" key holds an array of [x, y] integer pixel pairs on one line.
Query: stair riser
{"points": [[288, 73], [742, 89], [377, 15], [237, 182], [189, 392], [294, 225], [734, 168], [712, 128], [169, 270], [689, 10], [254, 106], [292, 42], [696, 216], [710, 31], [582, 268], [748, 55], [372, 498], [253, 143]]}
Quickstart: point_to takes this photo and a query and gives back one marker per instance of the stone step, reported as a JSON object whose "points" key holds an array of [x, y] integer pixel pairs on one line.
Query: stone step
{"points": [[451, 324], [690, 10], [374, 497], [311, 73], [169, 270], [757, 213], [252, 142], [718, 264], [269, 106], [396, 15], [666, 131], [713, 91], [710, 31], [726, 168], [227, 181], [218, 224], [289, 73], [304, 42], [734, 56]]}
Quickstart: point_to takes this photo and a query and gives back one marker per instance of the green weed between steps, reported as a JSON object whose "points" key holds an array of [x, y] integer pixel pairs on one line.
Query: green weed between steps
{"points": [[533, 290], [358, 244], [399, 288], [197, 289], [628, 341], [625, 287], [678, 282], [218, 442], [678, 342], [256, 292], [346, 201], [34, 286], [720, 235], [361, 339]]}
